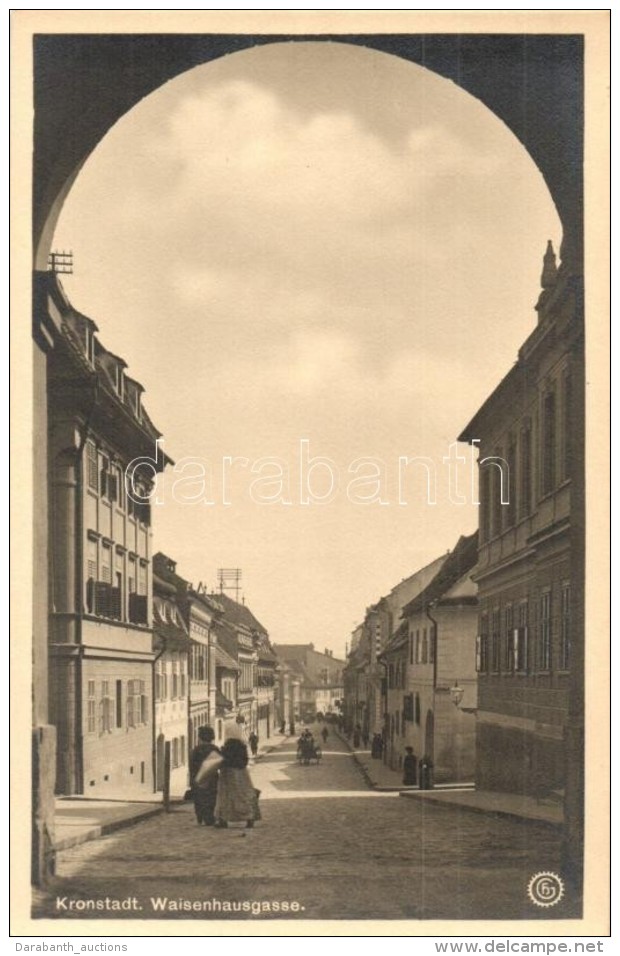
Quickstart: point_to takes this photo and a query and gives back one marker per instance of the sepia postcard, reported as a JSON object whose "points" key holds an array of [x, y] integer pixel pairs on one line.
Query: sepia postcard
{"points": [[310, 327]]}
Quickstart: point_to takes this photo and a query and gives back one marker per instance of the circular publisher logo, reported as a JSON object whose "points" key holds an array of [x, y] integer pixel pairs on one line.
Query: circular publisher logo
{"points": [[545, 889]]}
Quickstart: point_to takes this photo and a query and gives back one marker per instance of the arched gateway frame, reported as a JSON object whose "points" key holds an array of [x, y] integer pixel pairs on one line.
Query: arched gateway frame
{"points": [[83, 83]]}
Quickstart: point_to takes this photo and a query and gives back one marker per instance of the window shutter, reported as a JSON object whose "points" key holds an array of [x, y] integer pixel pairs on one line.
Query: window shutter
{"points": [[130, 701]]}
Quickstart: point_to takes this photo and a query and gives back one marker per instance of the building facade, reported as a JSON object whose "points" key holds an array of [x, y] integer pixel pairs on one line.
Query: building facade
{"points": [[171, 685], [227, 671], [319, 677], [530, 691], [255, 707], [100, 630], [266, 665], [201, 613], [366, 674], [438, 716]]}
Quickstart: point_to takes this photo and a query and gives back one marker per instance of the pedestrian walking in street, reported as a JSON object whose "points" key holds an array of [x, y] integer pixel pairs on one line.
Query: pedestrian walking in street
{"points": [[204, 793], [410, 768], [237, 798], [356, 736], [253, 741], [325, 735], [365, 739]]}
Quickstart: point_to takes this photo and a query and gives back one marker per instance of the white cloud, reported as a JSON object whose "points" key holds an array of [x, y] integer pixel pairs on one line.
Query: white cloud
{"points": [[275, 260]]}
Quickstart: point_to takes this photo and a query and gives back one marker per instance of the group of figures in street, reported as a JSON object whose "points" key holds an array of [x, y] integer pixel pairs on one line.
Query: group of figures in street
{"points": [[308, 749], [221, 786], [415, 772]]}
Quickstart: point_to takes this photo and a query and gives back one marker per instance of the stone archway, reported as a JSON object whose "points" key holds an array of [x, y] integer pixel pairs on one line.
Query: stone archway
{"points": [[84, 83]]}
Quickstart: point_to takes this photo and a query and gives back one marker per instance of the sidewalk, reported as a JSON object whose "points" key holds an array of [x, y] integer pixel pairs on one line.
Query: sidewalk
{"points": [[269, 744], [78, 819], [381, 777], [376, 774], [516, 806]]}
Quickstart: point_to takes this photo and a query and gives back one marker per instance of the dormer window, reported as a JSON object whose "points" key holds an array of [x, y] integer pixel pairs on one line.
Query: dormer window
{"points": [[90, 345], [119, 381]]}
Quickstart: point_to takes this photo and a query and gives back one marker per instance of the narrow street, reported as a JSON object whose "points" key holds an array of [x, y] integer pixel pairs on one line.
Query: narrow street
{"points": [[326, 843]]}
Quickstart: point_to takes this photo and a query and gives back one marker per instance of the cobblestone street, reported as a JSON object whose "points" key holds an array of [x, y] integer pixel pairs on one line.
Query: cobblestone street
{"points": [[327, 844]]}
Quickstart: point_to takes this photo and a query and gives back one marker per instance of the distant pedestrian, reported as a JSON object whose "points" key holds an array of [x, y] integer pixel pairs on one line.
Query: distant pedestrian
{"points": [[325, 735], [356, 736], [376, 746], [410, 768], [237, 799], [204, 794], [253, 741], [365, 739]]}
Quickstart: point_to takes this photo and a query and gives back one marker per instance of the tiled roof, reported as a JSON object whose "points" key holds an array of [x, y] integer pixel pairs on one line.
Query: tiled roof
{"points": [[222, 659], [397, 641], [170, 637], [461, 560], [222, 704], [226, 637], [239, 614], [266, 654]]}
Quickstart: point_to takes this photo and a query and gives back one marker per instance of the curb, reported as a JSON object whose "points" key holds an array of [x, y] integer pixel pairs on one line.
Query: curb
{"points": [[471, 808], [66, 843], [360, 766], [271, 748]]}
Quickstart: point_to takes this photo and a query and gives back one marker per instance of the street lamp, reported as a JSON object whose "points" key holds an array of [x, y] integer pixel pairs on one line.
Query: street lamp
{"points": [[456, 693]]}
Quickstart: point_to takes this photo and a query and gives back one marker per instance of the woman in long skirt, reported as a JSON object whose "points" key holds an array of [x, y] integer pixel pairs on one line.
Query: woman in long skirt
{"points": [[237, 799]]}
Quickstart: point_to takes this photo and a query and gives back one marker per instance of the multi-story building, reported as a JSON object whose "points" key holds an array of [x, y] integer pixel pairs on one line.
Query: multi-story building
{"points": [[100, 634], [320, 677], [365, 671], [266, 718], [227, 671], [394, 657], [529, 566], [255, 661], [438, 706], [171, 683], [355, 680], [199, 611]]}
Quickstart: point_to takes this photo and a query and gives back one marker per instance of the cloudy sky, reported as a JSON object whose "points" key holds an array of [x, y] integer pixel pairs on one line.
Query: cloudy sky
{"points": [[310, 241]]}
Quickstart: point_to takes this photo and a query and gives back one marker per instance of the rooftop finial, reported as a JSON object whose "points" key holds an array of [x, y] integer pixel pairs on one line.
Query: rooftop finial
{"points": [[550, 269]]}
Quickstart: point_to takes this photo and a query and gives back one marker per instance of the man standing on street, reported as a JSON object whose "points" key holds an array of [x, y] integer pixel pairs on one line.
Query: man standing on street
{"points": [[253, 740], [204, 794], [410, 768]]}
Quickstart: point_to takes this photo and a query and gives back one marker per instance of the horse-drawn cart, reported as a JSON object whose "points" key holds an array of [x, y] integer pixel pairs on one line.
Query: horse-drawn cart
{"points": [[308, 752]]}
